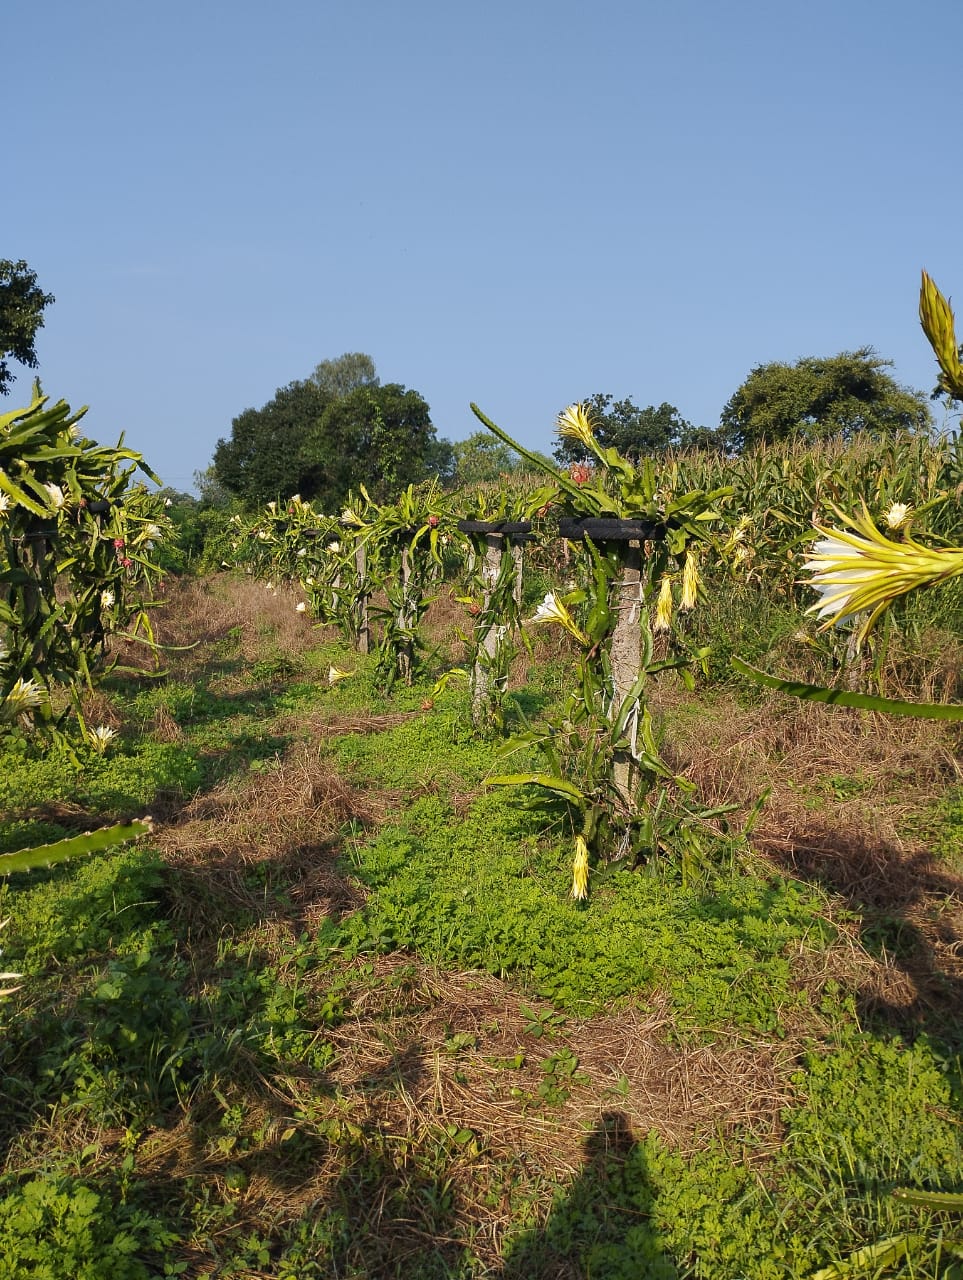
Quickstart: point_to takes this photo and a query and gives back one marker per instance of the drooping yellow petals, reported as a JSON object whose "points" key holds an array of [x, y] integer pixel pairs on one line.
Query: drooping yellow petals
{"points": [[663, 606], [580, 870], [690, 580]]}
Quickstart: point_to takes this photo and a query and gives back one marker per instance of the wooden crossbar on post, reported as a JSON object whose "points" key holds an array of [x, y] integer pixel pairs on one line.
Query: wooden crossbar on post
{"points": [[575, 529]]}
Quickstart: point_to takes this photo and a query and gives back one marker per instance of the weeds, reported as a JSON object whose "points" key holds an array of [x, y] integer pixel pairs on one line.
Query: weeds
{"points": [[340, 1017]]}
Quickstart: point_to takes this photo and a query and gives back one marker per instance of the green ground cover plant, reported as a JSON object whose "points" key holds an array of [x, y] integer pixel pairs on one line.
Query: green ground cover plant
{"points": [[339, 1015], [479, 892], [61, 1227]]}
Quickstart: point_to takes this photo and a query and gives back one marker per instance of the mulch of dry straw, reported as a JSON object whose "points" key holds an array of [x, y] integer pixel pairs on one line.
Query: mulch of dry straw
{"points": [[400, 1076], [850, 845]]}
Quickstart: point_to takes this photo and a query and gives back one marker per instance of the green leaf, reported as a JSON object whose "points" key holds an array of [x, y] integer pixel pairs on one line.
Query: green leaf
{"points": [[48, 452], [13, 490], [561, 786], [844, 698], [878, 1255]]}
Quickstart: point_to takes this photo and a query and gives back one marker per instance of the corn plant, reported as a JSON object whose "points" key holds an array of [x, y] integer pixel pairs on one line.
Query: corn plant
{"points": [[778, 490]]}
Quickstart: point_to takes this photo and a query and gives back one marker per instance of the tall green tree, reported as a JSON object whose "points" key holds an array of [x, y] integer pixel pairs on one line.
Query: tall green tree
{"points": [[481, 459], [22, 303], [324, 436], [844, 395], [263, 459], [378, 436], [622, 425]]}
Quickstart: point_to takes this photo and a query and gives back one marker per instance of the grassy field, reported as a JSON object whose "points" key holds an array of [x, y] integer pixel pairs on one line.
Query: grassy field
{"points": [[339, 1016]]}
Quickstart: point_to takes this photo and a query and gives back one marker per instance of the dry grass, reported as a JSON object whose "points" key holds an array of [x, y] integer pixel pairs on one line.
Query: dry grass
{"points": [[426, 1054], [900, 914], [735, 752], [164, 727], [331, 724], [453, 1040], [296, 800], [196, 613], [98, 707], [931, 670], [287, 818], [444, 619], [856, 775], [841, 785]]}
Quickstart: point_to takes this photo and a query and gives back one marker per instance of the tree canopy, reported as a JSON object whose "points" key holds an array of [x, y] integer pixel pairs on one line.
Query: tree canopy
{"points": [[481, 459], [378, 436], [330, 433], [22, 303], [814, 399], [622, 425], [345, 374], [263, 457]]}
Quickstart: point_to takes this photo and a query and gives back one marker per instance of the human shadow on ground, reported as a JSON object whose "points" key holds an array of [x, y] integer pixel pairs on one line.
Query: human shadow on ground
{"points": [[602, 1225]]}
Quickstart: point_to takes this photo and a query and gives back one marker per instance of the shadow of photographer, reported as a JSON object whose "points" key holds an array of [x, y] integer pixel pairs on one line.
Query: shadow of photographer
{"points": [[602, 1224]]}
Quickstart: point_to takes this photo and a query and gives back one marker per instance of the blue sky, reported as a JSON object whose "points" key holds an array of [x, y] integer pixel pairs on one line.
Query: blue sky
{"points": [[519, 204]]}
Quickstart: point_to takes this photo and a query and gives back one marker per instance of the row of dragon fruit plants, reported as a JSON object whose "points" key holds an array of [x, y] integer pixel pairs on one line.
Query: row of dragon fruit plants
{"points": [[641, 542], [79, 539], [79, 536]]}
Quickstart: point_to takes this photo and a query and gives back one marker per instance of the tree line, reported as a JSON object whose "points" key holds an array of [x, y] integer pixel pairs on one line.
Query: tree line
{"points": [[341, 427]]}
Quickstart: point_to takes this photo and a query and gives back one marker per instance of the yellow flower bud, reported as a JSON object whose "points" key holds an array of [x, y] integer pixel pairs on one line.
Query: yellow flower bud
{"points": [[936, 317]]}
